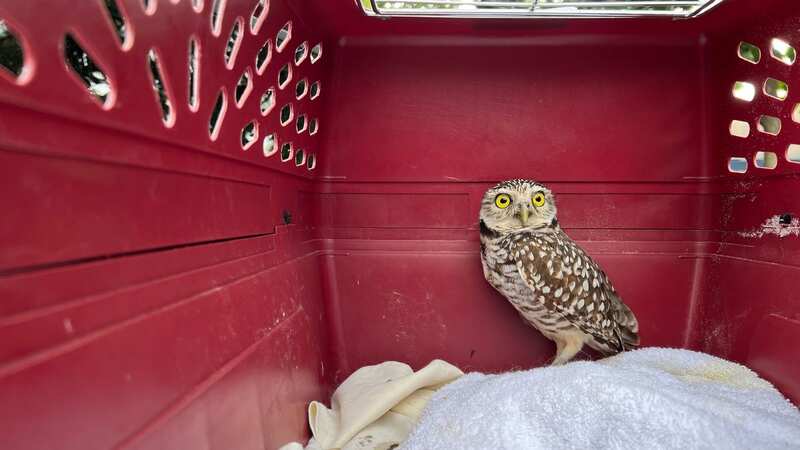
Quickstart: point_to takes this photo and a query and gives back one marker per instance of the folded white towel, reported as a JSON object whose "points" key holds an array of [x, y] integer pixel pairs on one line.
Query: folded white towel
{"points": [[376, 407], [651, 398]]}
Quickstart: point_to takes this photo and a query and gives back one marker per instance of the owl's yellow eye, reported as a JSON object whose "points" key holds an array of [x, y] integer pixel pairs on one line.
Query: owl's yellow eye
{"points": [[538, 199], [502, 201]]}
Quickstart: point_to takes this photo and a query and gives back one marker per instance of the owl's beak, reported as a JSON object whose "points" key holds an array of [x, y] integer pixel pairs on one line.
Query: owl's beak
{"points": [[523, 216]]}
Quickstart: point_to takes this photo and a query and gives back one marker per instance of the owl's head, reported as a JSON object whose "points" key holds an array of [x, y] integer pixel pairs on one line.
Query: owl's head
{"points": [[517, 205]]}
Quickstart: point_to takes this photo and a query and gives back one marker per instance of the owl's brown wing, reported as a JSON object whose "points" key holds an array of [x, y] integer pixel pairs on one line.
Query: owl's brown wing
{"points": [[565, 280]]}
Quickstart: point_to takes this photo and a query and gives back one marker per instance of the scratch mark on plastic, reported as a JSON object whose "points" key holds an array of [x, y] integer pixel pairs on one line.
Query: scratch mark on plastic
{"points": [[775, 226]]}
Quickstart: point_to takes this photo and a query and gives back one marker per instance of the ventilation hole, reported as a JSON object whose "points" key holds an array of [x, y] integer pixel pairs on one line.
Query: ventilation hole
{"points": [[243, 88], [118, 21], [92, 77], [263, 56], [249, 135], [283, 37], [286, 151], [301, 89], [217, 11], [267, 101], [739, 128], [793, 153], [796, 113], [194, 74], [217, 115], [270, 145], [765, 160], [737, 165], [197, 5], [776, 89], [300, 53], [12, 57], [258, 16], [744, 91], [301, 124], [749, 52], [286, 114], [284, 76], [299, 157], [234, 42], [316, 53], [769, 125], [149, 6], [312, 127], [311, 162], [783, 52], [160, 88], [314, 90]]}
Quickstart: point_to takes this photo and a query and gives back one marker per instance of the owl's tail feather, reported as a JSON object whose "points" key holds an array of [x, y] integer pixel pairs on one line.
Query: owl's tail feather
{"points": [[628, 327], [628, 340], [621, 341]]}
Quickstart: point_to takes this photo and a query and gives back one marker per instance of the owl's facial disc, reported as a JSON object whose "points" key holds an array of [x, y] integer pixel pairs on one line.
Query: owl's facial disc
{"points": [[517, 205]]}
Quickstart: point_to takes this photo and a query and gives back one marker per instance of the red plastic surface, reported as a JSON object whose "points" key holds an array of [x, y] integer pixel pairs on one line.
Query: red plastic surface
{"points": [[752, 308], [152, 296]]}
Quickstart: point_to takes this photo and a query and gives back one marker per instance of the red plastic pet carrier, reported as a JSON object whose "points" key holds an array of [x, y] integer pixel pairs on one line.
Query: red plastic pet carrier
{"points": [[216, 210]]}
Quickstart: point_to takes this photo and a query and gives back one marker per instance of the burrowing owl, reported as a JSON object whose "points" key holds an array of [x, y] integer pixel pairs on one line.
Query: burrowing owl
{"points": [[554, 285]]}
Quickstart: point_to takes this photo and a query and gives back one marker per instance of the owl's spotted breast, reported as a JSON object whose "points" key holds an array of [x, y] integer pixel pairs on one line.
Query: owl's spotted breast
{"points": [[556, 286], [502, 272]]}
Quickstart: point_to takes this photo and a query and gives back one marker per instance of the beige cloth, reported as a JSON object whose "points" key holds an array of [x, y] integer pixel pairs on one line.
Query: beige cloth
{"points": [[376, 407]]}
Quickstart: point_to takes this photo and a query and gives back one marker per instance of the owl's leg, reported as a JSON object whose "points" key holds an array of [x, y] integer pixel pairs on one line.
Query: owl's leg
{"points": [[559, 348], [566, 348]]}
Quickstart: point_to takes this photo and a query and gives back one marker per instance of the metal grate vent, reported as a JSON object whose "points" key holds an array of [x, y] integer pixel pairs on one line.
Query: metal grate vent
{"points": [[537, 8]]}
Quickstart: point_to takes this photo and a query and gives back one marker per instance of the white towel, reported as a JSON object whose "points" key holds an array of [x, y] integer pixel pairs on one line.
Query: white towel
{"points": [[646, 399]]}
